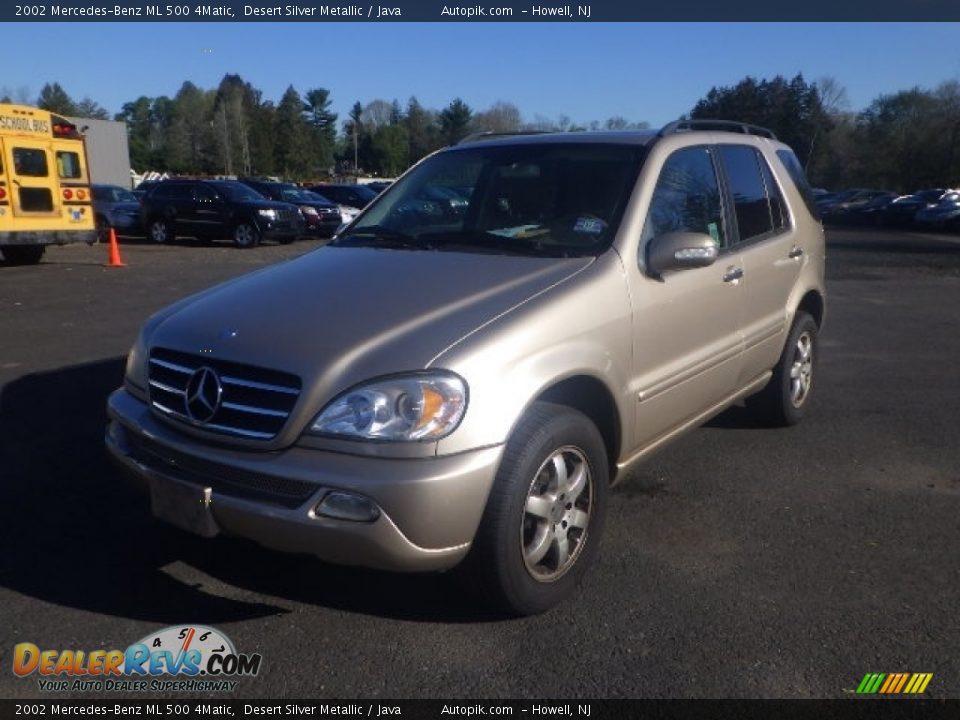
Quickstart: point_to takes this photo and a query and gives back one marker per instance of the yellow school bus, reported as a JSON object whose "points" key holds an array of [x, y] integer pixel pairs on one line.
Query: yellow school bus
{"points": [[45, 194]]}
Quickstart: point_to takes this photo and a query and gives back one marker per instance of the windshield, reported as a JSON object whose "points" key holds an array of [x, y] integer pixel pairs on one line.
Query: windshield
{"points": [[294, 194], [545, 199], [113, 194], [238, 192]]}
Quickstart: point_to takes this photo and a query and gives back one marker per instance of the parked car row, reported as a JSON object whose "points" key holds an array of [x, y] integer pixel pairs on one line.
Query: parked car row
{"points": [[247, 210], [933, 208]]}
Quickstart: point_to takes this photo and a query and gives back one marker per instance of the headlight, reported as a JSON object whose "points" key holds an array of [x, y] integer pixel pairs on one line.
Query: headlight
{"points": [[135, 375], [412, 407], [268, 213]]}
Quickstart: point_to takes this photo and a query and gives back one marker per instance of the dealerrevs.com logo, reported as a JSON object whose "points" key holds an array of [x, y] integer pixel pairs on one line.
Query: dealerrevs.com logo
{"points": [[187, 658]]}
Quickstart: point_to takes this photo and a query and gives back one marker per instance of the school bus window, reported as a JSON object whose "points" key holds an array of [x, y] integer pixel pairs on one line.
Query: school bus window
{"points": [[29, 162], [68, 164]]}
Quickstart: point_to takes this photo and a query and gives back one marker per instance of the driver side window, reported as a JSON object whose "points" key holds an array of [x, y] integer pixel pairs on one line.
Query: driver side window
{"points": [[686, 198]]}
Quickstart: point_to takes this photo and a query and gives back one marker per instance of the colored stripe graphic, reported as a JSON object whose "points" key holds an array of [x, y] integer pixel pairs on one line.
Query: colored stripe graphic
{"points": [[894, 683]]}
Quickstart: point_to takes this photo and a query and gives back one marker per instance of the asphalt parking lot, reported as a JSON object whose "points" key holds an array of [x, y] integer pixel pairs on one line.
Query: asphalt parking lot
{"points": [[739, 562]]}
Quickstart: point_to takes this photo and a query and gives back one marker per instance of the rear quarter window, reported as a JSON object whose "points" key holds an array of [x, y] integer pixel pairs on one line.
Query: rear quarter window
{"points": [[799, 179]]}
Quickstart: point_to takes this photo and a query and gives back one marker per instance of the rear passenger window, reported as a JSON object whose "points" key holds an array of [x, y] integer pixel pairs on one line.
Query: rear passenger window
{"points": [[687, 197], [799, 178], [751, 206], [778, 208]]}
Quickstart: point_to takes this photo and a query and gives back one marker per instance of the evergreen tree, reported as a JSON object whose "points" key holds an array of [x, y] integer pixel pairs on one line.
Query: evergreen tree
{"points": [[55, 99]]}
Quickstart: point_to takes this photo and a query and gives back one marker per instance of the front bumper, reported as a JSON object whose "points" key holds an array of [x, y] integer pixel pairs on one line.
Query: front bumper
{"points": [[280, 230], [429, 508], [128, 223]]}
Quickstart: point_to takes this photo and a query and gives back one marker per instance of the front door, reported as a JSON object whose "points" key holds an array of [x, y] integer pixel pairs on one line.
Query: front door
{"points": [[686, 325]]}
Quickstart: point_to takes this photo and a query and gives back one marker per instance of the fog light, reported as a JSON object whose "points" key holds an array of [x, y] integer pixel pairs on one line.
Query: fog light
{"points": [[344, 506]]}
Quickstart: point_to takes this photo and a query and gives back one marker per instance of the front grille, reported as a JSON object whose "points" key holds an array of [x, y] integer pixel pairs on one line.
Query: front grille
{"points": [[224, 479], [253, 402]]}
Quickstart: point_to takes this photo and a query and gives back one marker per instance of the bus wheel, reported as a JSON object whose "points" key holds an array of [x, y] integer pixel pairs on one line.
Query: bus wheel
{"points": [[23, 254], [161, 231]]}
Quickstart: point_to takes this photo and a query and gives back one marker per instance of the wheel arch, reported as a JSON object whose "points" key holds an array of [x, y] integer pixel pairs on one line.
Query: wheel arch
{"points": [[593, 398], [813, 304]]}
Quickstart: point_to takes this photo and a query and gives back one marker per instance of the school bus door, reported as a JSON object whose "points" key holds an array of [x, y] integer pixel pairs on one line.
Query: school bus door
{"points": [[31, 178]]}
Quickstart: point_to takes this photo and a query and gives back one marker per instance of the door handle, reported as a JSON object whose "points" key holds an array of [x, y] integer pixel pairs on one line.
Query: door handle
{"points": [[733, 274], [795, 252]]}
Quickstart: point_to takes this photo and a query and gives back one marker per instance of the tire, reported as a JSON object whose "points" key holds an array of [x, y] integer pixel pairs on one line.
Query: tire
{"points": [[22, 254], [103, 229], [784, 401], [246, 235], [517, 558], [160, 231]]}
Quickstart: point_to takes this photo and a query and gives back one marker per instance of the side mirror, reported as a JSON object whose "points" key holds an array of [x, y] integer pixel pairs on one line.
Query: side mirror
{"points": [[680, 251]]}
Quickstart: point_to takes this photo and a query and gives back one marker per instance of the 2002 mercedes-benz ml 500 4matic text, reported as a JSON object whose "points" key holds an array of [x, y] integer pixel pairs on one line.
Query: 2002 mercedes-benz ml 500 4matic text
{"points": [[463, 382]]}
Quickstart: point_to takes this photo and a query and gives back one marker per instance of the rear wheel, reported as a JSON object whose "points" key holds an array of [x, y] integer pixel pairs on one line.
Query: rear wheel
{"points": [[22, 254], [784, 400], [541, 528], [246, 235], [161, 231]]}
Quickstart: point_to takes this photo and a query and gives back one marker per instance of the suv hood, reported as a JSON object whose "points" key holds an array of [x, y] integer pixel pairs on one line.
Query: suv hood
{"points": [[340, 316]]}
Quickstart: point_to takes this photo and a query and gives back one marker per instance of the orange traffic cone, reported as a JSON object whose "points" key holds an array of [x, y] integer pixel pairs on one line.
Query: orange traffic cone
{"points": [[114, 255]]}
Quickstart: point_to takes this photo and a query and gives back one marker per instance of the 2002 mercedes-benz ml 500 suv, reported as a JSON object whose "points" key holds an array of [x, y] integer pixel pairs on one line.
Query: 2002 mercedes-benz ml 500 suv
{"points": [[463, 373]]}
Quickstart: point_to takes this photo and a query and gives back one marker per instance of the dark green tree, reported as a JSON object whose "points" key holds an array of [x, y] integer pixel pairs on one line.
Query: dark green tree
{"points": [[139, 119], [323, 125], [423, 134], [55, 99], [292, 148], [455, 121], [791, 108]]}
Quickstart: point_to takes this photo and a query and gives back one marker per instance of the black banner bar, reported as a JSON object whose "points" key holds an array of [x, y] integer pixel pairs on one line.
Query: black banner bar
{"points": [[488, 11], [195, 709]]}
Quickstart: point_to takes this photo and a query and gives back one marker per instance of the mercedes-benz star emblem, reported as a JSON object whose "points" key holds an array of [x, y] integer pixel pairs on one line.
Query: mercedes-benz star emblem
{"points": [[203, 395]]}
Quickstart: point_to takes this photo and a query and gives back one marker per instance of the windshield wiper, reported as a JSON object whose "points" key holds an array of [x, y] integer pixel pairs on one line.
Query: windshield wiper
{"points": [[381, 236], [479, 240]]}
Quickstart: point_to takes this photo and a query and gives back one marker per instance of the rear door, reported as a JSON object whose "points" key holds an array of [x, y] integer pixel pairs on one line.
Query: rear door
{"points": [[32, 182], [771, 251]]}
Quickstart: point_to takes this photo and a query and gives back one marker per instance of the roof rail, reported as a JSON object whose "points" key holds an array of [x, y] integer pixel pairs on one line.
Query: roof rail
{"points": [[720, 125], [489, 135]]}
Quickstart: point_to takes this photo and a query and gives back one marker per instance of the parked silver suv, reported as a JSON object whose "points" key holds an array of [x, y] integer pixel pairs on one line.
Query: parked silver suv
{"points": [[464, 381]]}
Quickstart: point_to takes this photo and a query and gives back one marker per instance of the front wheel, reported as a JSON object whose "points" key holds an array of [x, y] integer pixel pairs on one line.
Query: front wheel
{"points": [[103, 229], [785, 399], [246, 235], [543, 521], [161, 231]]}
